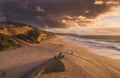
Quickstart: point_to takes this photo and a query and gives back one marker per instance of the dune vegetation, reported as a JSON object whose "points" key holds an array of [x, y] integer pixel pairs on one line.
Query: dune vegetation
{"points": [[7, 42], [11, 33]]}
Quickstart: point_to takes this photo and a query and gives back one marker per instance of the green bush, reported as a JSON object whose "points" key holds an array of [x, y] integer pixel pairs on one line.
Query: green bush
{"points": [[27, 38], [7, 42], [32, 36]]}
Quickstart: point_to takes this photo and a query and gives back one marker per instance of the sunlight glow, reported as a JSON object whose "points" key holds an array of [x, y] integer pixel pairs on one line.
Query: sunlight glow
{"points": [[111, 19]]}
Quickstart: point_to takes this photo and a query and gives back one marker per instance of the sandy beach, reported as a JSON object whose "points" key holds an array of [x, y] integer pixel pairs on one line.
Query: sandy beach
{"points": [[81, 64]]}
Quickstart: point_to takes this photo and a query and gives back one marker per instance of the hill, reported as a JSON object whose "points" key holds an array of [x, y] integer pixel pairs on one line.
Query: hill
{"points": [[13, 33]]}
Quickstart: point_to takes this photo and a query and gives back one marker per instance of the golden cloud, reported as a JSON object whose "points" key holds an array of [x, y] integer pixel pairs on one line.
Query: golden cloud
{"points": [[98, 2], [76, 20]]}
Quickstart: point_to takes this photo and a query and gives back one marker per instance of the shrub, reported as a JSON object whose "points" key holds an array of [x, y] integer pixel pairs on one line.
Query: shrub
{"points": [[7, 42], [27, 38]]}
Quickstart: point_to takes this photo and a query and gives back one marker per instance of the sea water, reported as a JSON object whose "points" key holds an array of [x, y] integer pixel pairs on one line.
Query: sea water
{"points": [[103, 45]]}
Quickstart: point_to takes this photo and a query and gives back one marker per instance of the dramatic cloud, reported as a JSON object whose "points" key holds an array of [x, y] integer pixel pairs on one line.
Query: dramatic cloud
{"points": [[55, 13], [76, 20]]}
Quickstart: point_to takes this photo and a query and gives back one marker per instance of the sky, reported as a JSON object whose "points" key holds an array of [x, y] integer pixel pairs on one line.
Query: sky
{"points": [[77, 15]]}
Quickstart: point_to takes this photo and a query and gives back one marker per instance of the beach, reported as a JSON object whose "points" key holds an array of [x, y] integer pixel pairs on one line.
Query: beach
{"points": [[80, 64]]}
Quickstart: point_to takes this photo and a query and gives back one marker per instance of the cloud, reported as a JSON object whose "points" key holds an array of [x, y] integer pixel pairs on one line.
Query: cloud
{"points": [[99, 2], [52, 13], [110, 19], [76, 20], [39, 9], [2, 18]]}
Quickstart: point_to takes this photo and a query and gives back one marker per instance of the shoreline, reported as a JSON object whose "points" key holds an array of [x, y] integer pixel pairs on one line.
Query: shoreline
{"points": [[110, 53], [19, 61]]}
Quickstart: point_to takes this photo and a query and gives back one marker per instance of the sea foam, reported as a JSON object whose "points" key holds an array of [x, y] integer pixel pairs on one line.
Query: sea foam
{"points": [[109, 49]]}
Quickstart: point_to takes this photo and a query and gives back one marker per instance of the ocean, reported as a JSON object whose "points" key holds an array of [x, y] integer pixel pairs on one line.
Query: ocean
{"points": [[103, 45]]}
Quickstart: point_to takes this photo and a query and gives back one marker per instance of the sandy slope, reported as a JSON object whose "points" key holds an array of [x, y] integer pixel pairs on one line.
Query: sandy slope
{"points": [[82, 64]]}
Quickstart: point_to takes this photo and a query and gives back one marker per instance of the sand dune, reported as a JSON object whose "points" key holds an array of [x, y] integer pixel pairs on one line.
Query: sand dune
{"points": [[81, 64]]}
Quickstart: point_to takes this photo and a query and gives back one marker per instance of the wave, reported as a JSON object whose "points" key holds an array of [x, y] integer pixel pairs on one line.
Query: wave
{"points": [[102, 47]]}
